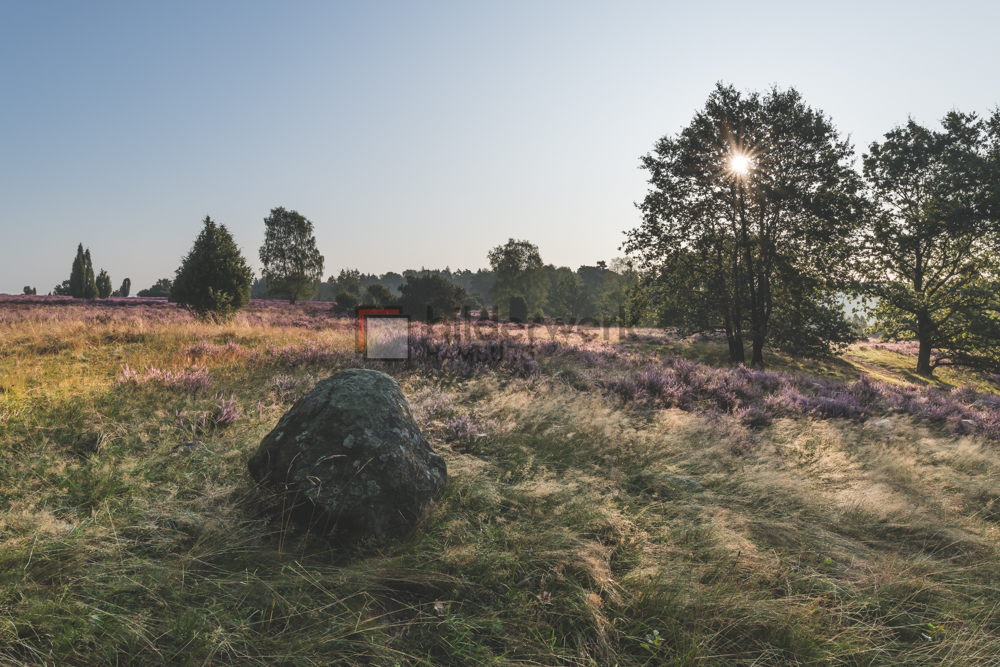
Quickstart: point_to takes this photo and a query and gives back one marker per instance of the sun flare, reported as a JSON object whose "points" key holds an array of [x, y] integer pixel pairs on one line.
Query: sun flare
{"points": [[740, 164]]}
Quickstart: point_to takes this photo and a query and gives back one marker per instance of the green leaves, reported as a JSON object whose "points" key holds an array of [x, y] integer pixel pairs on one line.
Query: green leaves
{"points": [[755, 196], [929, 255], [292, 264]]}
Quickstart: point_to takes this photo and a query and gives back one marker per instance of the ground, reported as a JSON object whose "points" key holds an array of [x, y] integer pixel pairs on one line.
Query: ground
{"points": [[610, 501]]}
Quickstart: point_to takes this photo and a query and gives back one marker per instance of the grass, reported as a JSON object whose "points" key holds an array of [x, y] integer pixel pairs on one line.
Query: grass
{"points": [[576, 529]]}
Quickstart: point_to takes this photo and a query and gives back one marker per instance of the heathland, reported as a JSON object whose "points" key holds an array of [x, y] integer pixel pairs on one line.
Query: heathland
{"points": [[614, 498]]}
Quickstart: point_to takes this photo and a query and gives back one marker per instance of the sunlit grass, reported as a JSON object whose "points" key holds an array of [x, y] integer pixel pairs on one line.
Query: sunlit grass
{"points": [[575, 529]]}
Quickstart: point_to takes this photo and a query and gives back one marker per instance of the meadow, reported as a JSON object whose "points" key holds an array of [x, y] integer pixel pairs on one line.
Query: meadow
{"points": [[614, 498]]}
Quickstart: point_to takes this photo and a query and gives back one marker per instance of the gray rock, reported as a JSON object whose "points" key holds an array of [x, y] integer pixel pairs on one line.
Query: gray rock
{"points": [[349, 454]]}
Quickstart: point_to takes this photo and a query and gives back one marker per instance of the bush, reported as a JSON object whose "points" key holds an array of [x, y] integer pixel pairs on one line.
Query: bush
{"points": [[213, 281], [518, 309], [30, 290], [160, 288], [345, 302], [103, 284], [419, 292]]}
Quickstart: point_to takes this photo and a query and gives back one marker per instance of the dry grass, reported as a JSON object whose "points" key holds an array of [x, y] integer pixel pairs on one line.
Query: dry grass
{"points": [[574, 531]]}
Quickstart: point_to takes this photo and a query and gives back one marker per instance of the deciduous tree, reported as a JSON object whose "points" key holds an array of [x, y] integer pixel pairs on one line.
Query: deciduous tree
{"points": [[380, 295], [755, 186], [931, 259], [419, 292], [519, 272], [293, 266]]}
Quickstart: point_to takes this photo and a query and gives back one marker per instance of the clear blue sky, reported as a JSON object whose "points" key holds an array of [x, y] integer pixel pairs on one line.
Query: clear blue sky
{"points": [[414, 134]]}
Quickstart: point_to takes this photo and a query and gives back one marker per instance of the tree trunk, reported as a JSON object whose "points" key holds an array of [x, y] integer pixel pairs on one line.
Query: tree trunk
{"points": [[757, 358], [924, 330]]}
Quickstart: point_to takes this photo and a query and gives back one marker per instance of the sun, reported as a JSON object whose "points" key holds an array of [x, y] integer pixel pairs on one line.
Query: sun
{"points": [[740, 163]]}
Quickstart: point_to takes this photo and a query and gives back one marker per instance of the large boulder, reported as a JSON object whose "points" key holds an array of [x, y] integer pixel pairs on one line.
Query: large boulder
{"points": [[350, 455]]}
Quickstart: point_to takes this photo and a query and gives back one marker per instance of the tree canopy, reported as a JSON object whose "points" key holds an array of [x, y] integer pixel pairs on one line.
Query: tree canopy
{"points": [[213, 281], [419, 292], [930, 255], [519, 272], [293, 266], [754, 200]]}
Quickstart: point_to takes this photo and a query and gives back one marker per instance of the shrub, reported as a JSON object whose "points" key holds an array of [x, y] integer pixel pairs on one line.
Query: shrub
{"points": [[160, 288], [345, 302], [103, 283], [213, 281]]}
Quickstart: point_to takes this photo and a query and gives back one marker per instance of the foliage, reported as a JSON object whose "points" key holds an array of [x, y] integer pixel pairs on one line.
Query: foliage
{"points": [[103, 284], [519, 272], [757, 189], [30, 290], [380, 295], [292, 264], [62, 289], [213, 281], [809, 319], [348, 280], [78, 274], [931, 259], [89, 282], [126, 287], [160, 288], [517, 309], [346, 302], [572, 298], [434, 291]]}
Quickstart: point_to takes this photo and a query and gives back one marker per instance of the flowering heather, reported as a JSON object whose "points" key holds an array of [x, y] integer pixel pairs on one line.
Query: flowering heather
{"points": [[227, 412], [757, 397], [194, 378], [289, 388]]}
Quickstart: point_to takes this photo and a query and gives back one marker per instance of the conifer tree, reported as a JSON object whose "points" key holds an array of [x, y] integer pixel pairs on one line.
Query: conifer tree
{"points": [[90, 284], [125, 288], [78, 276], [103, 282], [213, 281]]}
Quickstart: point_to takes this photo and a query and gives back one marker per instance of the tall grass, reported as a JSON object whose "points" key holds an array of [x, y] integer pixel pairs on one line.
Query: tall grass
{"points": [[610, 503]]}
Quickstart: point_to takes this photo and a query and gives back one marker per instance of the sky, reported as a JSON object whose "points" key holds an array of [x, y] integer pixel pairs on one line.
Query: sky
{"points": [[415, 134]]}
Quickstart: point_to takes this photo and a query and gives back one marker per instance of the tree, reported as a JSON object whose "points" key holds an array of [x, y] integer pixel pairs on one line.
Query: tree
{"points": [[519, 272], [78, 274], [349, 280], [572, 298], [160, 288], [380, 295], [757, 189], [30, 290], [103, 284], [292, 264], [62, 290], [125, 288], [931, 250], [345, 302], [89, 284], [435, 291], [213, 281]]}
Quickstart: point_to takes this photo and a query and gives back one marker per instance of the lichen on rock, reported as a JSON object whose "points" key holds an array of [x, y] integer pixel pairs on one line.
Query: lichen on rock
{"points": [[349, 455]]}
